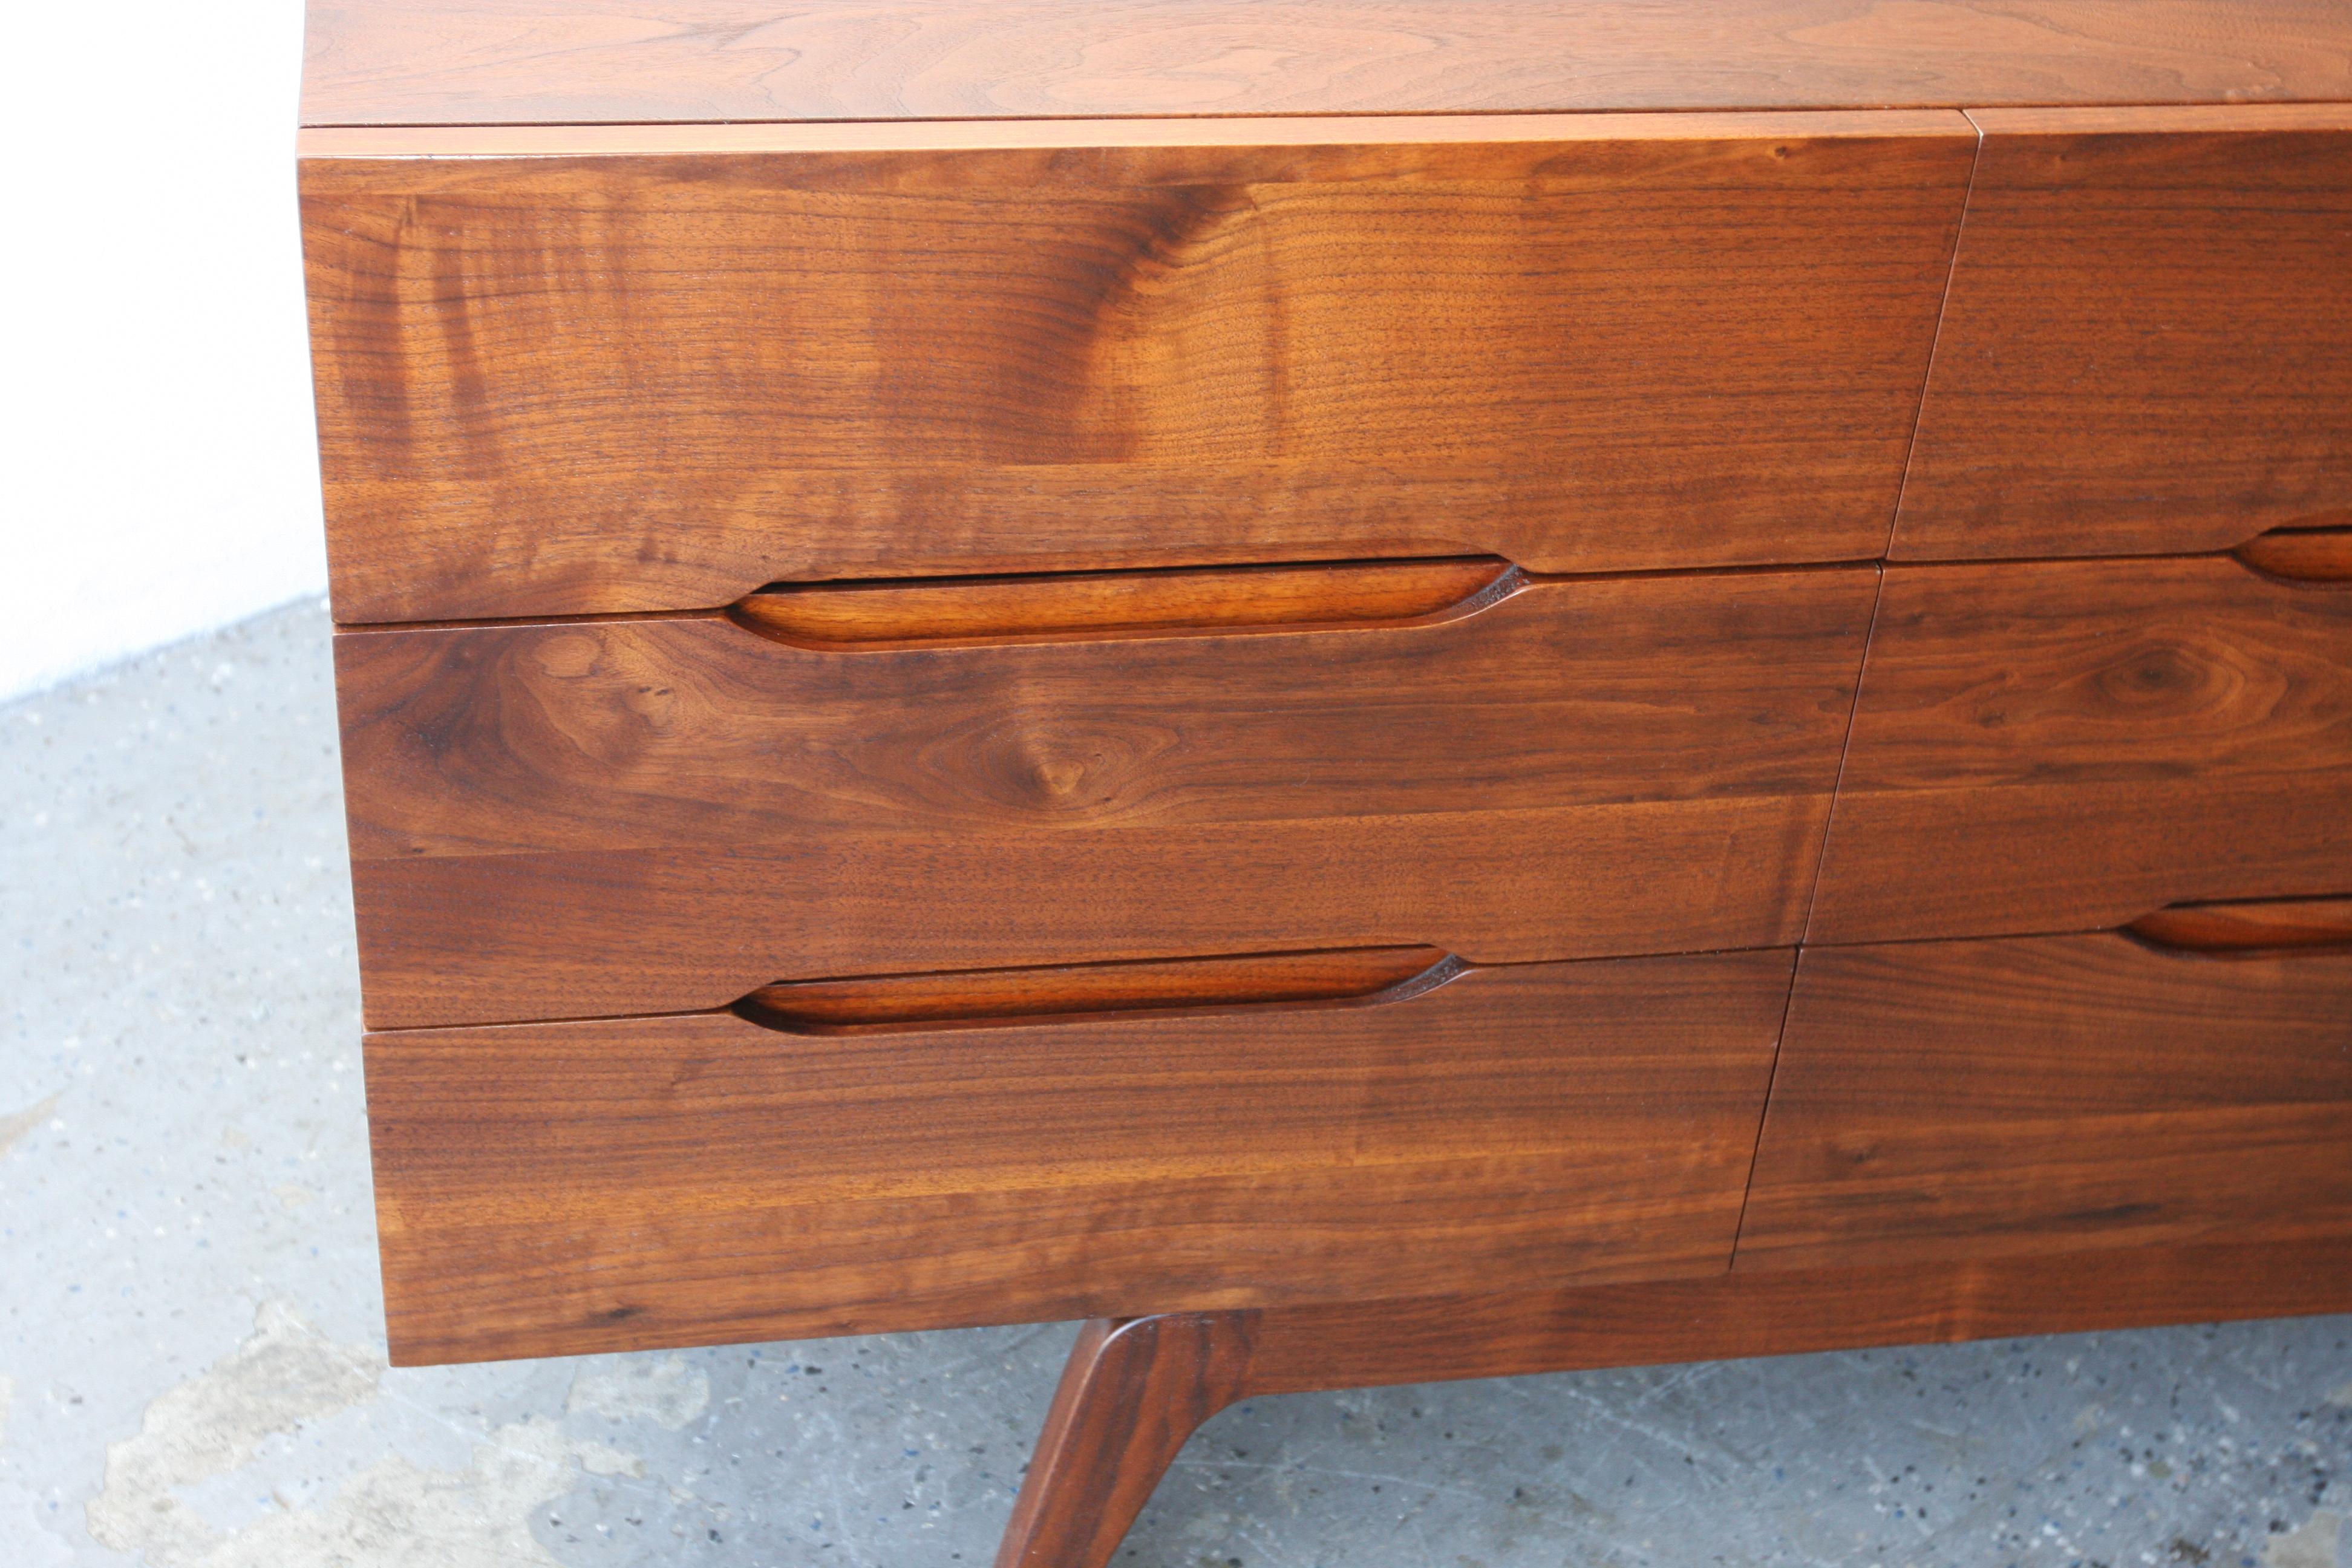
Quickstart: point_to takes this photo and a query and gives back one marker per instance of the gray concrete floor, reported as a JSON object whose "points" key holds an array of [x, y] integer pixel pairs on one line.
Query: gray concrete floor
{"points": [[191, 1359]]}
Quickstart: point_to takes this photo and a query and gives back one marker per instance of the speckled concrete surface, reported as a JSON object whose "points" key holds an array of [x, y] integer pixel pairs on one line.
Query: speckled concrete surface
{"points": [[191, 1368]]}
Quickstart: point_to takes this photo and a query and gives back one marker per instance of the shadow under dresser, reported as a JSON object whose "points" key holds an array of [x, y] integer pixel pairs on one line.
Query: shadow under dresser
{"points": [[1371, 692]]}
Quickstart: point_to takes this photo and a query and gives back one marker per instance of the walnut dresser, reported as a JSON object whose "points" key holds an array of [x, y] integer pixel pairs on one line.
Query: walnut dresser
{"points": [[1372, 690]]}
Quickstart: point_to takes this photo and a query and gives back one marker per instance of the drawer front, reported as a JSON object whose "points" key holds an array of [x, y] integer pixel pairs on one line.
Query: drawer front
{"points": [[1954, 1099], [656, 815], [628, 369], [2068, 745], [559, 1188], [2148, 343]]}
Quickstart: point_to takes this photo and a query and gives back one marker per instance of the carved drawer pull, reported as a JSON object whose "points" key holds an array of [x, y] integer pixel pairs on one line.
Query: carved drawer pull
{"points": [[1359, 975], [2269, 925], [2301, 554], [1099, 603]]}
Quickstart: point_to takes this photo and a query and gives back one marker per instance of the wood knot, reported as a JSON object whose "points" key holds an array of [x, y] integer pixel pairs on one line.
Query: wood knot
{"points": [[1061, 766]]}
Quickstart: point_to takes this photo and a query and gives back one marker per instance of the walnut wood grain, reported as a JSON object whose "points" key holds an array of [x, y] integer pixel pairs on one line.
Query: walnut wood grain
{"points": [[1792, 1311], [2147, 346], [2043, 1094], [1136, 1388], [888, 1001], [589, 380], [468, 61], [559, 1188], [1060, 604], [2068, 745], [658, 814]]}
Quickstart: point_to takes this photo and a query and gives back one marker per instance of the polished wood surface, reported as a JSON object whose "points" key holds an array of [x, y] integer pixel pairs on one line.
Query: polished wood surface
{"points": [[2147, 346], [2043, 1094], [559, 1188], [469, 61], [2069, 745], [652, 816], [582, 382], [1135, 1389], [1792, 1311]]}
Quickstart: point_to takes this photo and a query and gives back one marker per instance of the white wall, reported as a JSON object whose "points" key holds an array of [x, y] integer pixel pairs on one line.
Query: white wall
{"points": [[159, 477]]}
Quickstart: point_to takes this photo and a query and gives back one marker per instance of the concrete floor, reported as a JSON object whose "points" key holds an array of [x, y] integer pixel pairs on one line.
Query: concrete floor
{"points": [[191, 1363]]}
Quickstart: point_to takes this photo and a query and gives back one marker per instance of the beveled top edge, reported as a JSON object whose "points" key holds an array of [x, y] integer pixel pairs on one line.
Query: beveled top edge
{"points": [[442, 142], [521, 62]]}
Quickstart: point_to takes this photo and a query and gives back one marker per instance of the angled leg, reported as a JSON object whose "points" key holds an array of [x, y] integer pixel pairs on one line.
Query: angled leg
{"points": [[1134, 1390]]}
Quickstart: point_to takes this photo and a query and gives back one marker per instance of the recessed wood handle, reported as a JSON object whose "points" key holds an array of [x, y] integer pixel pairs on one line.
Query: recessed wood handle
{"points": [[2301, 554], [1000, 995], [1100, 604], [2269, 925]]}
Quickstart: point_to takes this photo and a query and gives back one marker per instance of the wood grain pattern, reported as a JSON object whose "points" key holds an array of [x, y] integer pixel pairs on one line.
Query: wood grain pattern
{"points": [[559, 1188], [2044, 1094], [2069, 745], [1135, 1389], [1792, 1311], [658, 814], [2149, 343], [589, 383], [470, 61]]}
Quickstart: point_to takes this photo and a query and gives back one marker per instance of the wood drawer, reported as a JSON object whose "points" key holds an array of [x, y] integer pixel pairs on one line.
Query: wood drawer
{"points": [[642, 815], [559, 1188], [590, 369], [1955, 1100], [2148, 347], [2067, 745]]}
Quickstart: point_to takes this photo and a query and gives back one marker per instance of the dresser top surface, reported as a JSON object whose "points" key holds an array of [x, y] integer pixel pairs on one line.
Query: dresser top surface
{"points": [[463, 62]]}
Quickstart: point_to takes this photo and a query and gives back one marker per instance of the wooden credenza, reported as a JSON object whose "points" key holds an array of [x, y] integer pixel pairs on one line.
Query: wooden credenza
{"points": [[1374, 692]]}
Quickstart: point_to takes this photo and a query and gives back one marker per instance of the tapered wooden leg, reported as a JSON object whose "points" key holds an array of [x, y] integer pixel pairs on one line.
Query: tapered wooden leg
{"points": [[1135, 1389]]}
